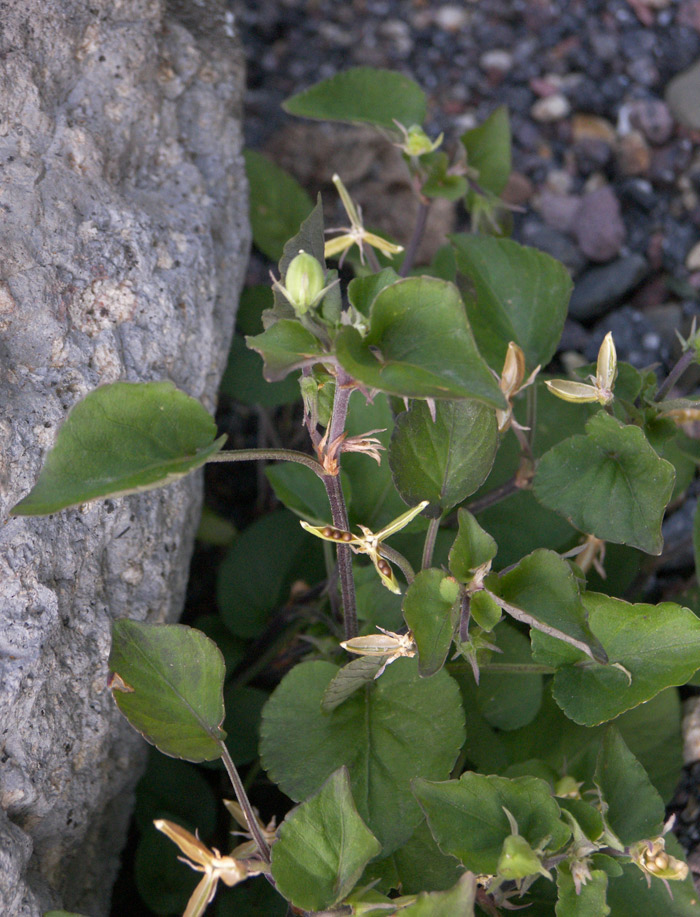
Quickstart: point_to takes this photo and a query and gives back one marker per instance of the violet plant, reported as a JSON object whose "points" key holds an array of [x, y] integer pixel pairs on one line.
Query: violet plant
{"points": [[506, 730]]}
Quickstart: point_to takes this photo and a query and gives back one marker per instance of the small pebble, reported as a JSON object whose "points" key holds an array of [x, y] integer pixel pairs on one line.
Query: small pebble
{"points": [[551, 108], [692, 260], [599, 230], [632, 154], [653, 118], [498, 60]]}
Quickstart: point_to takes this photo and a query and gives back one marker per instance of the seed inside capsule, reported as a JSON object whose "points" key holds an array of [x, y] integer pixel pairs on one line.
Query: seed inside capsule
{"points": [[384, 568], [346, 536], [327, 532]]}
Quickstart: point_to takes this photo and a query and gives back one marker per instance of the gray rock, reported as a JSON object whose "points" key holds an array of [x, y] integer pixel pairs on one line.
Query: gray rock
{"points": [[599, 229], [553, 243], [599, 289], [124, 244], [683, 97]]}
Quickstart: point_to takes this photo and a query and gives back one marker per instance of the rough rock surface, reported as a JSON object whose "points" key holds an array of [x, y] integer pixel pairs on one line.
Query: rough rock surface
{"points": [[124, 239]]}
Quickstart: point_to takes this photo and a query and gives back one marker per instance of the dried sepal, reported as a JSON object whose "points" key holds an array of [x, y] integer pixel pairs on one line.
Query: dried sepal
{"points": [[355, 233], [387, 643], [511, 382], [198, 856], [369, 542], [601, 391]]}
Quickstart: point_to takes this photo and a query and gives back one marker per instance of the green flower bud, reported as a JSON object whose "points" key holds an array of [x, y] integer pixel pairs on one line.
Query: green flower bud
{"points": [[416, 142], [304, 282], [518, 860]]}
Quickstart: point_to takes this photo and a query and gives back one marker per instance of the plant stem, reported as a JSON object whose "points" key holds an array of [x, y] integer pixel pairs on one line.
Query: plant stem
{"points": [[372, 259], [517, 668], [396, 558], [252, 455], [531, 416], [418, 230], [244, 803], [495, 496], [429, 545], [686, 360], [336, 498]]}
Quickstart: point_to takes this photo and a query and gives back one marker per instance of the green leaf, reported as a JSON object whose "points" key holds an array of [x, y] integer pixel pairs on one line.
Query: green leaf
{"points": [[385, 735], [609, 483], [485, 610], [169, 683], [633, 808], [120, 439], [374, 501], [467, 819], [353, 676], [62, 914], [457, 900], [472, 547], [242, 724], [428, 609], [520, 294], [302, 491], [323, 847], [488, 150], [509, 701], [446, 460], [419, 345], [309, 238], [362, 95], [544, 586], [658, 645], [440, 182], [285, 346], [278, 204], [243, 379], [589, 901], [362, 291], [253, 578], [419, 865]]}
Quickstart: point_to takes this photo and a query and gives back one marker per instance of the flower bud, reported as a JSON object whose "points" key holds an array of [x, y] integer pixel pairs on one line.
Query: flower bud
{"points": [[416, 142], [518, 860], [304, 282]]}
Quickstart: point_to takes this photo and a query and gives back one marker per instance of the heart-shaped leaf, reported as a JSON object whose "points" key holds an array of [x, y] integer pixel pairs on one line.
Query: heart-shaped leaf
{"points": [[609, 483], [650, 647], [362, 94], [419, 345], [520, 294], [285, 346], [278, 204], [385, 735], [168, 682], [467, 819], [120, 439], [323, 847], [446, 460], [428, 610]]}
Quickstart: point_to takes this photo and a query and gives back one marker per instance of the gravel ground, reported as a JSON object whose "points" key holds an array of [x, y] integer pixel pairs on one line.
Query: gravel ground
{"points": [[604, 99]]}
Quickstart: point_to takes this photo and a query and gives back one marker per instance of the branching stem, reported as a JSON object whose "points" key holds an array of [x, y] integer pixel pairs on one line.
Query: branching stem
{"points": [[429, 545], [686, 360], [416, 238], [285, 455], [336, 498], [244, 803]]}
